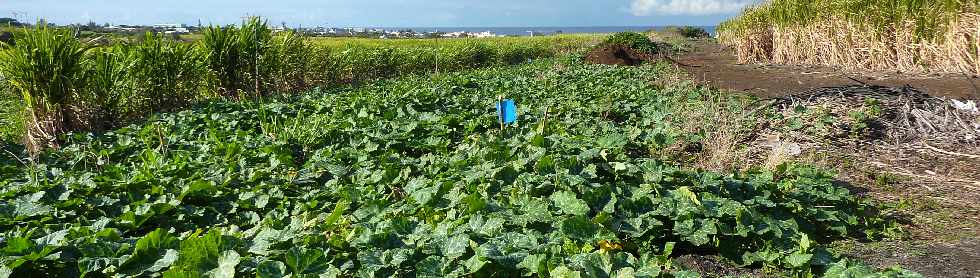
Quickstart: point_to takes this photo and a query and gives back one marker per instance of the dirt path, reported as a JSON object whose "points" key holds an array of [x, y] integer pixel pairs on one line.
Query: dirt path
{"points": [[715, 65]]}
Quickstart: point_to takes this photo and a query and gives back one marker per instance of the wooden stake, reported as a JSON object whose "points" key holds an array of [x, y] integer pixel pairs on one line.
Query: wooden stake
{"points": [[544, 122], [500, 111]]}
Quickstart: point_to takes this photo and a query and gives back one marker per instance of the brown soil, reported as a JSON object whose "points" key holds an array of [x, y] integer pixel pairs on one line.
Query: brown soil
{"points": [[715, 65], [614, 55], [713, 266], [931, 259], [936, 196]]}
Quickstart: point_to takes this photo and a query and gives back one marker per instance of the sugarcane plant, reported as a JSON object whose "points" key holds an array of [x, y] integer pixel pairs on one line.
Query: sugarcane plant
{"points": [[234, 55], [107, 77], [45, 67], [906, 35]]}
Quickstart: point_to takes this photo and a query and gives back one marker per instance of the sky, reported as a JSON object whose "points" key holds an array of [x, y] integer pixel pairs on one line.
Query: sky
{"points": [[382, 13]]}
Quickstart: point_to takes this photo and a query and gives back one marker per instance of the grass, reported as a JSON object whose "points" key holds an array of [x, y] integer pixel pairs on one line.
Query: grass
{"points": [[11, 118]]}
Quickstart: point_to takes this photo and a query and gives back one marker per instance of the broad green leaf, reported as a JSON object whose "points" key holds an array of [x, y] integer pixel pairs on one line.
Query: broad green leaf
{"points": [[797, 260], [565, 272], [421, 190], [593, 264], [579, 227], [626, 272], [432, 266], [200, 254], [534, 263], [474, 264], [456, 246], [687, 193], [537, 210], [18, 246], [306, 261], [226, 265], [569, 204], [166, 261], [271, 269], [30, 205], [150, 249], [338, 211], [265, 239], [686, 274]]}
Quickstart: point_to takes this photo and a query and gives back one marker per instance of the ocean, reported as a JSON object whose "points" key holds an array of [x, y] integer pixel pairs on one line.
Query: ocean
{"points": [[526, 31]]}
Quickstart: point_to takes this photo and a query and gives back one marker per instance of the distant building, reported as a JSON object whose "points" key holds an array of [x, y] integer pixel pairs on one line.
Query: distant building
{"points": [[168, 26], [178, 31], [458, 34], [123, 28], [484, 34]]}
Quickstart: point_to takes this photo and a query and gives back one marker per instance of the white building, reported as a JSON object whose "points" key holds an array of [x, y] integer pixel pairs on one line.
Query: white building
{"points": [[168, 26], [120, 28], [484, 34], [458, 34], [178, 31]]}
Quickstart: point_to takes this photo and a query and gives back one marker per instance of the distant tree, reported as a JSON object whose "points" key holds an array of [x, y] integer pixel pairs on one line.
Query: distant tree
{"points": [[4, 21], [693, 32], [90, 26]]}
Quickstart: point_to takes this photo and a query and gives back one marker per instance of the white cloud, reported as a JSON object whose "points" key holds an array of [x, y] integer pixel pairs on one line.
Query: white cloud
{"points": [[688, 7]]}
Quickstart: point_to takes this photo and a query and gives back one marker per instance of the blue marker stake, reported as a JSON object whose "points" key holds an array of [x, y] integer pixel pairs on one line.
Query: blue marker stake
{"points": [[506, 111]]}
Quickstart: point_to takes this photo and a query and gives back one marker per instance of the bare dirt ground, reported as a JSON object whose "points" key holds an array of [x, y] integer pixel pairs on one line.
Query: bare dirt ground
{"points": [[932, 188], [714, 64]]}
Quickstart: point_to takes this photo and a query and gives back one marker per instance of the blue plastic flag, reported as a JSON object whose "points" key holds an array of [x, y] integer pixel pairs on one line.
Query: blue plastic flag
{"points": [[507, 111]]}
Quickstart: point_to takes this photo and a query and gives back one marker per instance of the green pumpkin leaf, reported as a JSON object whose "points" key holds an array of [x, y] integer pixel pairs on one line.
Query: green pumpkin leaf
{"points": [[569, 204]]}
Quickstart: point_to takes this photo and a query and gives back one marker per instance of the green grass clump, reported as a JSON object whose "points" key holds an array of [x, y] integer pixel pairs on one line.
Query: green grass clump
{"points": [[632, 40], [690, 32], [636, 41]]}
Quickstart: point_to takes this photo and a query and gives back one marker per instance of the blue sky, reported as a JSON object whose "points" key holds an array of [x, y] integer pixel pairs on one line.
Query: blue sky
{"points": [[370, 13]]}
